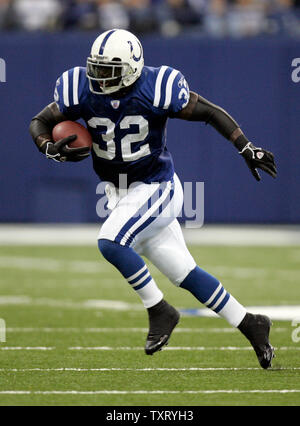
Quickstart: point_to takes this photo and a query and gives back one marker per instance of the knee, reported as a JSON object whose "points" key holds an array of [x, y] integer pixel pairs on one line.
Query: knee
{"points": [[123, 258], [182, 275], [108, 249]]}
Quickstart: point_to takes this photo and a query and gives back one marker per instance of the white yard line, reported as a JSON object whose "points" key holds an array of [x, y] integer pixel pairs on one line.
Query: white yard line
{"points": [[153, 392], [142, 370], [177, 348], [117, 330], [126, 330], [140, 348], [26, 348]]}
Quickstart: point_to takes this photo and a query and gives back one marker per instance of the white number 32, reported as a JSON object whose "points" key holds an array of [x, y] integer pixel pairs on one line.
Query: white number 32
{"points": [[109, 137]]}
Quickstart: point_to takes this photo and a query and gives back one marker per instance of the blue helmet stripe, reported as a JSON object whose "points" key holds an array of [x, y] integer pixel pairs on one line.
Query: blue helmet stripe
{"points": [[103, 44]]}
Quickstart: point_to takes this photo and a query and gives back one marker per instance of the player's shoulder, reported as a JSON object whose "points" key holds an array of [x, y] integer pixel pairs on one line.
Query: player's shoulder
{"points": [[165, 86], [71, 86]]}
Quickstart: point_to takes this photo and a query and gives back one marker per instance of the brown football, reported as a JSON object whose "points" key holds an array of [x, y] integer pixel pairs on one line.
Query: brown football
{"points": [[69, 128]]}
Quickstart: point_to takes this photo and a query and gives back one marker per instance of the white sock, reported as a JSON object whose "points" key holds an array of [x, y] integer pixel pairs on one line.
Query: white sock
{"points": [[233, 312], [150, 294]]}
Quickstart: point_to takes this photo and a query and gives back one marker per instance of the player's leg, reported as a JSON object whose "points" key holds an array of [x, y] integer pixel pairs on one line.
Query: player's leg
{"points": [[132, 214], [169, 253]]}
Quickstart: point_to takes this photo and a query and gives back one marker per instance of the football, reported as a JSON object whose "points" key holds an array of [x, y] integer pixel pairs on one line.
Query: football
{"points": [[69, 128]]}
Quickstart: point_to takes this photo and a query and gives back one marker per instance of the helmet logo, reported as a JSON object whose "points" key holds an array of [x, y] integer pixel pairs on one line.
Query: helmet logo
{"points": [[136, 59]]}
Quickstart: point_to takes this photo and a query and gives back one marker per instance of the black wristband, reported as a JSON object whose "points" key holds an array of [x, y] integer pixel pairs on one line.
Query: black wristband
{"points": [[241, 142]]}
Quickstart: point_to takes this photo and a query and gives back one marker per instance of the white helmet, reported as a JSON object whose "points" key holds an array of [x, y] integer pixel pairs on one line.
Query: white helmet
{"points": [[116, 61]]}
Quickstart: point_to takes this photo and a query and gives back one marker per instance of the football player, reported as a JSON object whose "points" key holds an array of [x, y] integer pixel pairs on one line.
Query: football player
{"points": [[126, 106]]}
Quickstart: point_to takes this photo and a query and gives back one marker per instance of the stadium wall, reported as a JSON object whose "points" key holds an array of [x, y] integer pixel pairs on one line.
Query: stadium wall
{"points": [[251, 79]]}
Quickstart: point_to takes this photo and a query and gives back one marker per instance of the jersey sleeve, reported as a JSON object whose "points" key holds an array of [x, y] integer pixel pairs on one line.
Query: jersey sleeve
{"points": [[172, 92], [68, 91]]}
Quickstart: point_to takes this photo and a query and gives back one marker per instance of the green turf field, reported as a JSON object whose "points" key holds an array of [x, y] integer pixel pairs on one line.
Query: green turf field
{"points": [[74, 325]]}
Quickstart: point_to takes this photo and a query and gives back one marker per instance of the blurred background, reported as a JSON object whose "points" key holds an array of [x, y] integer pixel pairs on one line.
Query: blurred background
{"points": [[238, 18], [236, 53]]}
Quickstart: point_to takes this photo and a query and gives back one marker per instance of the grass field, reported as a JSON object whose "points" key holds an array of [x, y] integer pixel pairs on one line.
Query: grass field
{"points": [[74, 325]]}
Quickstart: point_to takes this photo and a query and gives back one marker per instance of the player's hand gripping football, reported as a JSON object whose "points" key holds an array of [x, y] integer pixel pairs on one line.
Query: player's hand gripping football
{"points": [[60, 151], [258, 158]]}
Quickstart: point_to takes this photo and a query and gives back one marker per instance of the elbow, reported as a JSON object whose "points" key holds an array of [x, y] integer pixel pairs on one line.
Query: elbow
{"points": [[31, 127], [34, 128]]}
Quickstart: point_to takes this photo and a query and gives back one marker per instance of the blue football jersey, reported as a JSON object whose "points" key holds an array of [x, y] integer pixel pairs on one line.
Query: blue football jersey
{"points": [[129, 132]]}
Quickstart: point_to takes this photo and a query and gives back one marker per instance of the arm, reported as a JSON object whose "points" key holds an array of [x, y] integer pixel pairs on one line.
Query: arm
{"points": [[42, 124], [41, 127], [200, 109]]}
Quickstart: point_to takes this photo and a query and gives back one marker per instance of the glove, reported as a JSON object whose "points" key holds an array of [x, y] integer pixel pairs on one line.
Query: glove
{"points": [[258, 158], [60, 152]]}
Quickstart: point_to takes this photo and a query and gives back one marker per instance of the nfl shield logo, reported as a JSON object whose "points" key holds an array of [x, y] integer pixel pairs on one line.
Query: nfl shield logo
{"points": [[115, 104]]}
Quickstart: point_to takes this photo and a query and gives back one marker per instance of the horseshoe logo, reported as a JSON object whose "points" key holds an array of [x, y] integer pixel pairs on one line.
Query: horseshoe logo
{"points": [[136, 59]]}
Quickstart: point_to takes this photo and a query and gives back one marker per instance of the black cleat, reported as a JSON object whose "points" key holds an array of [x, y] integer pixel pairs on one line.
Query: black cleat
{"points": [[257, 330], [163, 318]]}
